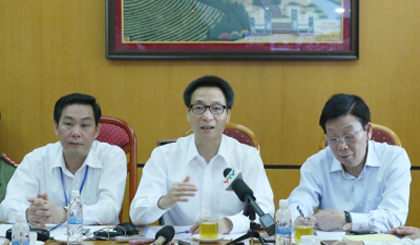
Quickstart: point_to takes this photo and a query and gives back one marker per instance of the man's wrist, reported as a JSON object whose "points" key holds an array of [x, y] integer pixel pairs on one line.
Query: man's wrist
{"points": [[64, 218], [159, 203], [348, 222]]}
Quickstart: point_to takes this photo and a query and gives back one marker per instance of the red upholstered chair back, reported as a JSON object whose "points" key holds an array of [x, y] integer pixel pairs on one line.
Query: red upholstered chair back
{"points": [[117, 132], [380, 134], [240, 133]]}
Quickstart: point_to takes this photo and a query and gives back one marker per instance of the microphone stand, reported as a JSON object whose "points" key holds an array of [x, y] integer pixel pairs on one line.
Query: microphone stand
{"points": [[253, 227]]}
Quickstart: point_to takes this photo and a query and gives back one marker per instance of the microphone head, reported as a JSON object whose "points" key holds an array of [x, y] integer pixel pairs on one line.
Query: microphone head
{"points": [[226, 172], [242, 190], [167, 232], [231, 175]]}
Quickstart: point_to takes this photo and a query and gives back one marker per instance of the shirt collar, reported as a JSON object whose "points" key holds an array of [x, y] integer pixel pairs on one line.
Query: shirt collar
{"points": [[192, 151], [371, 159], [91, 160]]}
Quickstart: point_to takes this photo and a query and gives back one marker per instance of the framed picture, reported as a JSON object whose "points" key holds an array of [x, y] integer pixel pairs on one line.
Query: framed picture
{"points": [[232, 29]]}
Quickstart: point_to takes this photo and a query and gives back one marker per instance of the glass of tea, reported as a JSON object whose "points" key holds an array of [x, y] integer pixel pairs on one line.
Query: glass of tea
{"points": [[209, 227], [303, 227]]}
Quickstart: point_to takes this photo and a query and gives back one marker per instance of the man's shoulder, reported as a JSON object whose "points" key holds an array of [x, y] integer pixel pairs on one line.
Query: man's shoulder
{"points": [[387, 153], [46, 149], [181, 144], [322, 156], [103, 148], [234, 144], [381, 147]]}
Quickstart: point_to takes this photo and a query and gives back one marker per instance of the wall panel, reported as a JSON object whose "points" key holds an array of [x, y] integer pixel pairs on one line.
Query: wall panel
{"points": [[51, 48]]}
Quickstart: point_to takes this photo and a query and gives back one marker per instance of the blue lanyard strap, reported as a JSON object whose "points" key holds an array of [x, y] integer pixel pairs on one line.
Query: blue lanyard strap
{"points": [[81, 187]]}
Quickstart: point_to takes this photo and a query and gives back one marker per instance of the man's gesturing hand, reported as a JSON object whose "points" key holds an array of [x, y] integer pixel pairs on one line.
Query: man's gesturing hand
{"points": [[42, 211], [178, 193]]}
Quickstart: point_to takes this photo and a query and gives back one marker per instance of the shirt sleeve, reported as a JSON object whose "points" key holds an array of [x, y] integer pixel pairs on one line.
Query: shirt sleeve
{"points": [[144, 209], [255, 177], [111, 190], [21, 186], [307, 194], [392, 210]]}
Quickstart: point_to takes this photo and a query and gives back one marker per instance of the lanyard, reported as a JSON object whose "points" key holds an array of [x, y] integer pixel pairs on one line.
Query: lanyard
{"points": [[81, 187]]}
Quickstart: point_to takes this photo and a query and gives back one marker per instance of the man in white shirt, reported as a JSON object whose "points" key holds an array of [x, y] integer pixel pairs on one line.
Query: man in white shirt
{"points": [[355, 183], [41, 185], [183, 181]]}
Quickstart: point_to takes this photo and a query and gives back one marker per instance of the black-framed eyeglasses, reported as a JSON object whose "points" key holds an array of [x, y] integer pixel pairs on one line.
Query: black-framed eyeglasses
{"points": [[214, 109]]}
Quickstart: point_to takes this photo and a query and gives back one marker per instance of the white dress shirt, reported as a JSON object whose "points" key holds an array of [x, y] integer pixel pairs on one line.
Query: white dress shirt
{"points": [[40, 172], [377, 199], [171, 163]]}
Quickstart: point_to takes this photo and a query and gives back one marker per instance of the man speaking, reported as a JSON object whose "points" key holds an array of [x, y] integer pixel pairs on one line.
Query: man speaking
{"points": [[183, 181]]}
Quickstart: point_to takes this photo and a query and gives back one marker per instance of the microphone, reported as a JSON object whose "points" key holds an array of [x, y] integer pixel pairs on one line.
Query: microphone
{"points": [[164, 235], [231, 175], [235, 182]]}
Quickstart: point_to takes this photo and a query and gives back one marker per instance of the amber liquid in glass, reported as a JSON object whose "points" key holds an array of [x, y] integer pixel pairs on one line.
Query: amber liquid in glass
{"points": [[209, 229], [302, 231]]}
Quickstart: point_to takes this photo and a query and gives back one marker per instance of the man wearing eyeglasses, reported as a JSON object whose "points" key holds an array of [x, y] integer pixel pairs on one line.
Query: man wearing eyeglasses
{"points": [[355, 183], [183, 181]]}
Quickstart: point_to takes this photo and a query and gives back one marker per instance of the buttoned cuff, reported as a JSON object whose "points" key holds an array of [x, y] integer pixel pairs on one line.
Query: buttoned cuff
{"points": [[360, 221], [156, 211], [240, 223]]}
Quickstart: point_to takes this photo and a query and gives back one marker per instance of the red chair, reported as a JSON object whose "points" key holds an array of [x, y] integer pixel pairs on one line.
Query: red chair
{"points": [[380, 134], [239, 132], [117, 132]]}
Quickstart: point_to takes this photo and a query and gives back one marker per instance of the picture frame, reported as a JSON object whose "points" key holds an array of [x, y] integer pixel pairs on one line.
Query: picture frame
{"points": [[232, 29]]}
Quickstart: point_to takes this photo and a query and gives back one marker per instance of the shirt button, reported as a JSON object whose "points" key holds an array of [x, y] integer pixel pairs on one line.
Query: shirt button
{"points": [[360, 204]]}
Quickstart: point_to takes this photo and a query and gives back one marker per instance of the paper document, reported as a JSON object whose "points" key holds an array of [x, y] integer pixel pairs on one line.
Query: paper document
{"points": [[331, 235], [373, 238]]}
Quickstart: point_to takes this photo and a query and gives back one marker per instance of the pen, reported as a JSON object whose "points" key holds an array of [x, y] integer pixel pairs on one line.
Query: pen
{"points": [[301, 213], [180, 232], [55, 227], [303, 216]]}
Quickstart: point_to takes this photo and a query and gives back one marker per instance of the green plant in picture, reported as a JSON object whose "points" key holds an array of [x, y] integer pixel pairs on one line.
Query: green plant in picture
{"points": [[235, 35], [235, 18], [245, 33], [318, 11], [224, 37]]}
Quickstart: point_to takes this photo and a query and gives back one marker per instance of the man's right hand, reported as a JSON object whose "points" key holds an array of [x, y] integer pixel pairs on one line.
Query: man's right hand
{"points": [[36, 213], [178, 193]]}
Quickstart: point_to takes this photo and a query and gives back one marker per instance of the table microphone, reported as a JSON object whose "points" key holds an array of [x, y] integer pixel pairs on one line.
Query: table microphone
{"points": [[164, 235], [235, 182]]}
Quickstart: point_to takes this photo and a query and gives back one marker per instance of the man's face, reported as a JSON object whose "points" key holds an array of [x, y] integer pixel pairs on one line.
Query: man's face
{"points": [[351, 152], [208, 126], [77, 130]]}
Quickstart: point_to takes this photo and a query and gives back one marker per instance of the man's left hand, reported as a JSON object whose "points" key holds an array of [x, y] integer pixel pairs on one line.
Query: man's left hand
{"points": [[53, 213], [406, 231], [330, 219]]}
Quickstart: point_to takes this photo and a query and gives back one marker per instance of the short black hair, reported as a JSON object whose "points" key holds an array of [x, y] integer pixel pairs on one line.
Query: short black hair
{"points": [[210, 81], [77, 98], [342, 104]]}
